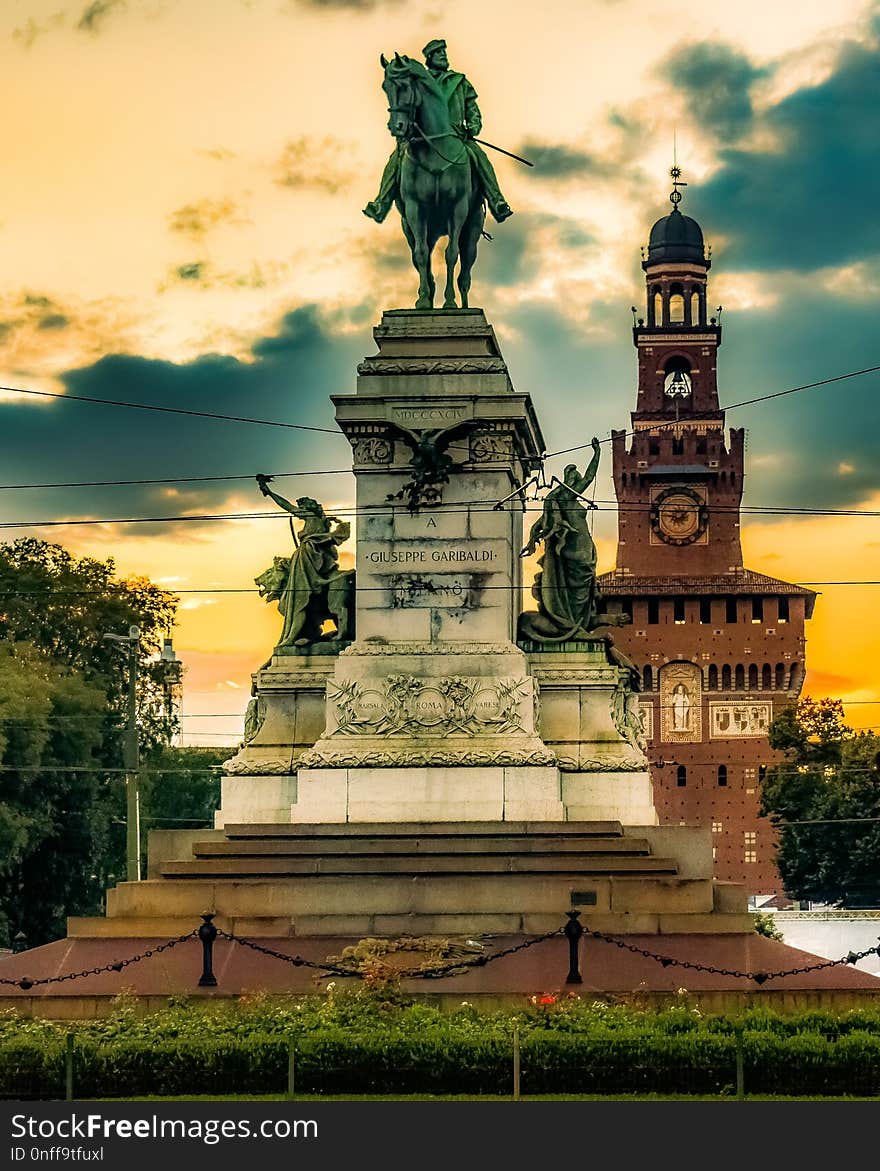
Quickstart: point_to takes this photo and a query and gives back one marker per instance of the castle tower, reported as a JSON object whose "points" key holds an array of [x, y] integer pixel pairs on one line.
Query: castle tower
{"points": [[720, 647]]}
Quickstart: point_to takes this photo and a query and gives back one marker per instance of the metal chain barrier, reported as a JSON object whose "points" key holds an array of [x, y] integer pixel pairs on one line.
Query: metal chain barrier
{"points": [[116, 966], [296, 961], [759, 978], [573, 930]]}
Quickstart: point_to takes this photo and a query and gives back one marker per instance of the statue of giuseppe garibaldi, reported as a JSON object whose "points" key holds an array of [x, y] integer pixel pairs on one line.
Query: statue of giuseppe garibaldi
{"points": [[466, 120]]}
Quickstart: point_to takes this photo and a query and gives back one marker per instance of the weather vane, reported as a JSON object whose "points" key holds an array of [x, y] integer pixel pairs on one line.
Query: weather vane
{"points": [[675, 196]]}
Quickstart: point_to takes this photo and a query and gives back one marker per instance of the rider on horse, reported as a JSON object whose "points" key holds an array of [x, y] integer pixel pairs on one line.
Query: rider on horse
{"points": [[464, 114]]}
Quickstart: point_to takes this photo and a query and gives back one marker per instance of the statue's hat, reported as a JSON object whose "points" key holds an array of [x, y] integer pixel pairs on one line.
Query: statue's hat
{"points": [[433, 46]]}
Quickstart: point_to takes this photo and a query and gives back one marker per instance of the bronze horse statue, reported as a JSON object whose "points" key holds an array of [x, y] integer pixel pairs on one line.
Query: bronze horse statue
{"points": [[438, 192]]}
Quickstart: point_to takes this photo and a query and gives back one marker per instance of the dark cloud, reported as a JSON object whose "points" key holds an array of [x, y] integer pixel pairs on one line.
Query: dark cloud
{"points": [[32, 312], [190, 272], [322, 163], [288, 376], [561, 161], [813, 449], [37, 301], [509, 258], [715, 81], [96, 14], [519, 247], [54, 321], [797, 443], [29, 32], [810, 200], [199, 274], [197, 219]]}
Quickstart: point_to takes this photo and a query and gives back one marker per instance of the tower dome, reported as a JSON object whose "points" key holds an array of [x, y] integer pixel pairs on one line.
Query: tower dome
{"points": [[675, 237]]}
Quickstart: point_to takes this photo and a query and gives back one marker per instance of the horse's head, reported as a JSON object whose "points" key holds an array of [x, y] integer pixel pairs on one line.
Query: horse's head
{"points": [[403, 95], [406, 82]]}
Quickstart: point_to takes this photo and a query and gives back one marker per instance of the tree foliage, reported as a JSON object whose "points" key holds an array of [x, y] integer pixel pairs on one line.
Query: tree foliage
{"points": [[822, 798], [63, 694]]}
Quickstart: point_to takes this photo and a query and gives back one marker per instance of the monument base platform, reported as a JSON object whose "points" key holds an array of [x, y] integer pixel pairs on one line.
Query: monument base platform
{"points": [[310, 891], [608, 973], [448, 794], [426, 878]]}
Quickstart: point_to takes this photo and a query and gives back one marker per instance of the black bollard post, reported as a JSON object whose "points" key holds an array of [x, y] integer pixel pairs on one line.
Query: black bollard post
{"points": [[207, 934], [573, 932]]}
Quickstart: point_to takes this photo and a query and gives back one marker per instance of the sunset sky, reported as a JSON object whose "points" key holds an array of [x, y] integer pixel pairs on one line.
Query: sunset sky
{"points": [[180, 225]]}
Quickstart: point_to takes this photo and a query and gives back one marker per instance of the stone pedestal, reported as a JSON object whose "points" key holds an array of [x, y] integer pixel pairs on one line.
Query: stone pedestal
{"points": [[434, 713], [604, 767], [287, 717], [431, 711]]}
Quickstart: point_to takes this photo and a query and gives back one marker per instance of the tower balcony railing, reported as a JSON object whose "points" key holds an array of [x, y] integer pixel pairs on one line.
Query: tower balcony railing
{"points": [[642, 329]]}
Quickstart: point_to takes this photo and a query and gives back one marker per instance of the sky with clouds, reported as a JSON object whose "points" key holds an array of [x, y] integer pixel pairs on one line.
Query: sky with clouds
{"points": [[180, 225]]}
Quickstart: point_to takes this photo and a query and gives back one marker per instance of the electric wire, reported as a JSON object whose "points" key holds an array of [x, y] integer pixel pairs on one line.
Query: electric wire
{"points": [[382, 510], [166, 480], [112, 402], [698, 415]]}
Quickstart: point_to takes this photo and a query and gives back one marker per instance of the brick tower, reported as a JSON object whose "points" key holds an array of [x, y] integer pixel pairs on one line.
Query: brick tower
{"points": [[720, 647]]}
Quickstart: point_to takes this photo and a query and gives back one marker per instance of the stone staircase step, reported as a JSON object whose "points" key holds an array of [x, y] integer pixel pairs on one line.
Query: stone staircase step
{"points": [[576, 865], [420, 829], [419, 847]]}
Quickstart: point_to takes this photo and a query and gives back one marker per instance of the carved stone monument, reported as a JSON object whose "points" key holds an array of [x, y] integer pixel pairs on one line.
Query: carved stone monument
{"points": [[431, 711]]}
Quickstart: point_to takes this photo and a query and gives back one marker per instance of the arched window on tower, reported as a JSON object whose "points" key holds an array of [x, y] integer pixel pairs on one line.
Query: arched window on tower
{"points": [[722, 775], [753, 676], [647, 678], [677, 385], [766, 677], [658, 307], [676, 305], [681, 777], [725, 677], [780, 676], [713, 678], [695, 309], [739, 678]]}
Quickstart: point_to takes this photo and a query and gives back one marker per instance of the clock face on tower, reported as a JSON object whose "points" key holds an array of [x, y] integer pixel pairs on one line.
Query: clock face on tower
{"points": [[679, 516]]}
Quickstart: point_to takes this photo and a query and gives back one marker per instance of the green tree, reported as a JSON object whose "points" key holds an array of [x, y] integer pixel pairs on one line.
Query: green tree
{"points": [[63, 694], [53, 810], [181, 788], [64, 605], [823, 798]]}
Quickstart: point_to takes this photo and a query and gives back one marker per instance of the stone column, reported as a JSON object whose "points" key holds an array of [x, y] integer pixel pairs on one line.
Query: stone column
{"points": [[431, 711]]}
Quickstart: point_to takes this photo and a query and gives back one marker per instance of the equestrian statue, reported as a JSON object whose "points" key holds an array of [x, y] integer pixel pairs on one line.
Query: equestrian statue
{"points": [[438, 176]]}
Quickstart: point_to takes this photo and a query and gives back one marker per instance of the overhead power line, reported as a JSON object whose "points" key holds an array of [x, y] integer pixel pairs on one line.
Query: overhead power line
{"points": [[112, 402], [335, 431], [746, 402], [166, 480], [446, 509]]}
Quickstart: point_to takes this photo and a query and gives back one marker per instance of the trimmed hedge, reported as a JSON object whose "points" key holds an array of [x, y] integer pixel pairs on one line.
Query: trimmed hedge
{"points": [[338, 1061]]}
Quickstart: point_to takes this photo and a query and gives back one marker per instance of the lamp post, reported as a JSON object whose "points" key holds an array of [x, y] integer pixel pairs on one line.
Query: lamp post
{"points": [[131, 757], [172, 676]]}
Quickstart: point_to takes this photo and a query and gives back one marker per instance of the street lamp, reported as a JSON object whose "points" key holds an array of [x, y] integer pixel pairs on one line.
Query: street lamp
{"points": [[172, 677], [131, 757]]}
